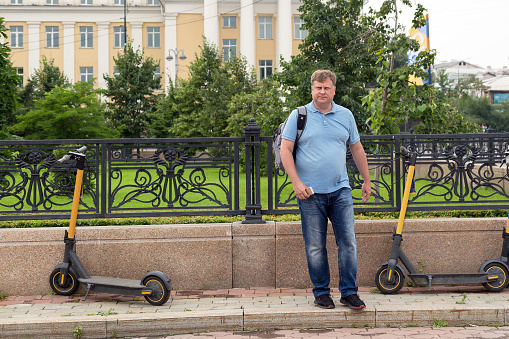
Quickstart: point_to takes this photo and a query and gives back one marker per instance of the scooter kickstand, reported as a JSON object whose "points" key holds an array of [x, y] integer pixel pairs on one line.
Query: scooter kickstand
{"points": [[430, 277], [89, 286]]}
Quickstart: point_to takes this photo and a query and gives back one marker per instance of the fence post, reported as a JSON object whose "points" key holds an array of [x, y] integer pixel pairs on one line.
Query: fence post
{"points": [[491, 151], [253, 195]]}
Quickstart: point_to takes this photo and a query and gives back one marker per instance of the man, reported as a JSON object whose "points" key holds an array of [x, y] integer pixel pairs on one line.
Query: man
{"points": [[320, 163]]}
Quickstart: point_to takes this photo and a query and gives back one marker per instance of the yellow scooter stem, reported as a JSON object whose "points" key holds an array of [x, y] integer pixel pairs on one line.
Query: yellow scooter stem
{"points": [[406, 196], [75, 203]]}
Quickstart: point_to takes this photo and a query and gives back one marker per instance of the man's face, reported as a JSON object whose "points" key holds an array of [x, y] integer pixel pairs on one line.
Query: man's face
{"points": [[323, 92]]}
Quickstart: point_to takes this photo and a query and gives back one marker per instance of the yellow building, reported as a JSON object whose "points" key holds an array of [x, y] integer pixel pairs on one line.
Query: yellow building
{"points": [[83, 36]]}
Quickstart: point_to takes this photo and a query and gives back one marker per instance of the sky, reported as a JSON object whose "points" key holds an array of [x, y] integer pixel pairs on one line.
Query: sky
{"points": [[476, 31]]}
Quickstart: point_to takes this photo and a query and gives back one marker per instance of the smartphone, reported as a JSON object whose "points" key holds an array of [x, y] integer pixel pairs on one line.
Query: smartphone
{"points": [[309, 190]]}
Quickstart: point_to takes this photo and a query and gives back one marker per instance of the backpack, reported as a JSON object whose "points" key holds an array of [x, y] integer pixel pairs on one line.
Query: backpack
{"points": [[276, 138]]}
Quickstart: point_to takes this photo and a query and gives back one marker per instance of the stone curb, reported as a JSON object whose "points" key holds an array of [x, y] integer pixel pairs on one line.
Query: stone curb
{"points": [[106, 319]]}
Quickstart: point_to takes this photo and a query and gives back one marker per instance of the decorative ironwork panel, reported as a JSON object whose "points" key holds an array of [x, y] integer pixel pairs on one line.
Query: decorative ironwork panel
{"points": [[31, 180], [459, 170], [381, 164], [170, 176]]}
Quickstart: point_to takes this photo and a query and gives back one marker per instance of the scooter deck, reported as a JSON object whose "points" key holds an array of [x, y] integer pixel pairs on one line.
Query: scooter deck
{"points": [[115, 285], [109, 281], [451, 278]]}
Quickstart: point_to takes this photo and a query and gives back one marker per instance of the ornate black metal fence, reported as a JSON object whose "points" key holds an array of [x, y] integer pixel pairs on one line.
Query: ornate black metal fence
{"points": [[223, 176]]}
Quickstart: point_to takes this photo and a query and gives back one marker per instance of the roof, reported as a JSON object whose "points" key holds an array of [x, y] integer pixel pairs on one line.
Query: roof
{"points": [[497, 84], [456, 63]]}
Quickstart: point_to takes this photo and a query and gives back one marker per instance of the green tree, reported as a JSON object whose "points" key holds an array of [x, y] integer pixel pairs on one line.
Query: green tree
{"points": [[131, 92], [397, 97], [73, 112], [44, 79], [264, 104], [8, 90], [452, 90], [480, 111], [198, 106], [337, 32]]}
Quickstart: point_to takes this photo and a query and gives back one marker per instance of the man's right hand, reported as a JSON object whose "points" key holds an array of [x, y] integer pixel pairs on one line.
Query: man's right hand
{"points": [[300, 191]]}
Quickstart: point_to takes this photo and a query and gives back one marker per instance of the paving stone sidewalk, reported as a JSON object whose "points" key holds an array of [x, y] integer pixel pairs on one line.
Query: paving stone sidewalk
{"points": [[240, 311]]}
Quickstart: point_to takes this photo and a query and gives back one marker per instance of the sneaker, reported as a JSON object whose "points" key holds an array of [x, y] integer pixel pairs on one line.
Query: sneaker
{"points": [[324, 301], [353, 301]]}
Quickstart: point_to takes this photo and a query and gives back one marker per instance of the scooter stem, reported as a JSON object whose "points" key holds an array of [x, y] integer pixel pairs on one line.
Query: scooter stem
{"points": [[80, 165], [406, 195], [75, 203], [507, 226]]}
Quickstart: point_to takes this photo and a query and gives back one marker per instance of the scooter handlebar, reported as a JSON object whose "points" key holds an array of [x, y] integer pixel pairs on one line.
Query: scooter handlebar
{"points": [[68, 156]]}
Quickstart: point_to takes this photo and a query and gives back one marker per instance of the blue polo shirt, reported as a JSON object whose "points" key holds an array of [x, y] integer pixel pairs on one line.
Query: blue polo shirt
{"points": [[321, 150]]}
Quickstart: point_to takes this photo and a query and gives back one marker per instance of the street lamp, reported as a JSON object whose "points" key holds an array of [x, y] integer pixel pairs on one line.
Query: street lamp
{"points": [[170, 58]]}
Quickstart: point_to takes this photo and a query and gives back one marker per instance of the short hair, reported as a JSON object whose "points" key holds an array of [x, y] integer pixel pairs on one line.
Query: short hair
{"points": [[321, 75]]}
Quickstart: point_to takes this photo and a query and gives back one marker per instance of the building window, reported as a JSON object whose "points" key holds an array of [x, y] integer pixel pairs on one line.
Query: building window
{"points": [[19, 71], [229, 49], [86, 37], [116, 73], [265, 27], [16, 2], [299, 33], [157, 76], [86, 73], [229, 22], [265, 67], [119, 36], [51, 2], [154, 37], [119, 2], [52, 37], [16, 39], [86, 2], [153, 2]]}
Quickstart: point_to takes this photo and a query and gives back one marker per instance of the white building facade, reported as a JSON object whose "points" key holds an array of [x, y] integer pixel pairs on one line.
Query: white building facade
{"points": [[83, 36]]}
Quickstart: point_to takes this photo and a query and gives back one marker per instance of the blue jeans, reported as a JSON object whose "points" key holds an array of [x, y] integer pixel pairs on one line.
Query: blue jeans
{"points": [[338, 208]]}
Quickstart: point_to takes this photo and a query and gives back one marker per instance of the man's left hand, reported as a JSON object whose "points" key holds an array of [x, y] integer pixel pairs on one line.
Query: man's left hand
{"points": [[366, 191]]}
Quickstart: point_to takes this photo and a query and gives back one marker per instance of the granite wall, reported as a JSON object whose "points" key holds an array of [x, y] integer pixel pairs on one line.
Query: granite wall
{"points": [[222, 256]]}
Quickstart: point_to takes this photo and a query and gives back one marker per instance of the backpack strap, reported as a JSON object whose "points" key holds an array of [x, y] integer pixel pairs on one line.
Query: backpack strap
{"points": [[301, 120]]}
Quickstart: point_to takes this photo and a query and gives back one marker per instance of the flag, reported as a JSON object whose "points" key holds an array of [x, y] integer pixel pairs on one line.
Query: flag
{"points": [[420, 34]]}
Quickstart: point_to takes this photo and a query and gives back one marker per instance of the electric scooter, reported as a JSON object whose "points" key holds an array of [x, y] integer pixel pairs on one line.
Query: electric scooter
{"points": [[504, 258], [494, 276], [155, 286]]}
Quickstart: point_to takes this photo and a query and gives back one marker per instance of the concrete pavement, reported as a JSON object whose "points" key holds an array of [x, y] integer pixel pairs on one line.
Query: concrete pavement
{"points": [[246, 312]]}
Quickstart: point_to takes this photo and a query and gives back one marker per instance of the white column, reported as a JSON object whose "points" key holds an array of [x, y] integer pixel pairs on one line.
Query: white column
{"points": [[103, 53], [137, 35], [33, 46], [69, 38], [211, 21], [284, 30], [170, 42], [247, 32]]}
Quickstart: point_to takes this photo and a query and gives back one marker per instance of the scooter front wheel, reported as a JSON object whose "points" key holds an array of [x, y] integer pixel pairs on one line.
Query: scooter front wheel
{"points": [[385, 287], [69, 287], [496, 285], [160, 293]]}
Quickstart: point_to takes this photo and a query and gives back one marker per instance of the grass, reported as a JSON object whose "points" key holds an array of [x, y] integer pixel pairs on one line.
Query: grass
{"points": [[230, 219], [437, 323]]}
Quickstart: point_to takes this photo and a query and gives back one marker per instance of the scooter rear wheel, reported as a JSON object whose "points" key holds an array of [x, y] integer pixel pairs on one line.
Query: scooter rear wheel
{"points": [[160, 293], [70, 286], [496, 285], [386, 288]]}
